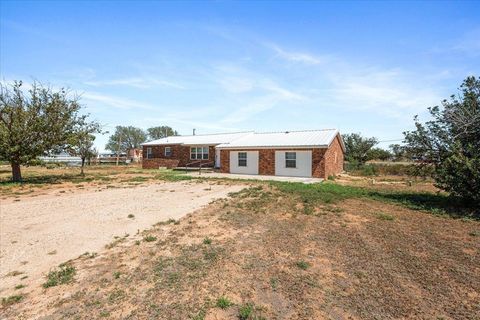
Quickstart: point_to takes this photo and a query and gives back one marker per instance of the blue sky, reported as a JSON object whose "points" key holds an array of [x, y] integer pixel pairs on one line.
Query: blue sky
{"points": [[221, 66]]}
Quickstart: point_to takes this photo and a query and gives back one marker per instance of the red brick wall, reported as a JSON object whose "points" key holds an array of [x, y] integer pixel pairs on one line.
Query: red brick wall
{"points": [[266, 162], [334, 158], [180, 156], [323, 160], [158, 162], [318, 163], [225, 161]]}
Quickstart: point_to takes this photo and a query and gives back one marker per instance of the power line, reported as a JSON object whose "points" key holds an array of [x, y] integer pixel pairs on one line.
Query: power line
{"points": [[391, 140]]}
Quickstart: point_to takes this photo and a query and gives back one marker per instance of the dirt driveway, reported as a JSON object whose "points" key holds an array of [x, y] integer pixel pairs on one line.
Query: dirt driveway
{"points": [[40, 233]]}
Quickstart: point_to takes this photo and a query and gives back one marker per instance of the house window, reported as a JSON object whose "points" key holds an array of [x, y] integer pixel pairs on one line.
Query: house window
{"points": [[149, 153], [290, 159], [168, 151], [199, 153], [242, 159]]}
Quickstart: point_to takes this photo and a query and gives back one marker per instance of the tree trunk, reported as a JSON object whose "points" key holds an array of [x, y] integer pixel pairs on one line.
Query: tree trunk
{"points": [[16, 173], [81, 168]]}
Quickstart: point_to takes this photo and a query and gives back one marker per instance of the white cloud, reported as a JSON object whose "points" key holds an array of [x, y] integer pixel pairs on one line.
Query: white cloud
{"points": [[114, 102], [295, 56], [393, 92], [135, 82], [236, 84]]}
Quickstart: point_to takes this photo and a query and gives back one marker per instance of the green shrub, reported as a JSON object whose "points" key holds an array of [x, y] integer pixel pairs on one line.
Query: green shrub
{"points": [[303, 265], [64, 274], [149, 238], [223, 303], [384, 216], [368, 170], [245, 311], [11, 300]]}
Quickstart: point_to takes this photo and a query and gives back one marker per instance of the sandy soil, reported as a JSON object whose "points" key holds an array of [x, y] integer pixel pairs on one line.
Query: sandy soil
{"points": [[40, 233], [355, 264]]}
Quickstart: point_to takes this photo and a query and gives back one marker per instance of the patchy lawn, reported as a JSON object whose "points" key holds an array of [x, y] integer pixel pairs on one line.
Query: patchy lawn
{"points": [[283, 251], [39, 181]]}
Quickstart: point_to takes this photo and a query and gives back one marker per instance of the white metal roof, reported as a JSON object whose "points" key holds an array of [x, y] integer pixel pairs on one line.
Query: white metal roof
{"points": [[200, 139], [286, 139]]}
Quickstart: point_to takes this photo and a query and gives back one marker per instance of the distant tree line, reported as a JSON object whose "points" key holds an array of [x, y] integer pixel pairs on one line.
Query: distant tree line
{"points": [[127, 137], [361, 149]]}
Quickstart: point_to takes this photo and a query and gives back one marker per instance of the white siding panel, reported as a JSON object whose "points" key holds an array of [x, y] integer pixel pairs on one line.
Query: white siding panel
{"points": [[252, 163], [304, 164]]}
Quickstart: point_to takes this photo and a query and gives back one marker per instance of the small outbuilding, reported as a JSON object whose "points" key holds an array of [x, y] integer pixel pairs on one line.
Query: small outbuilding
{"points": [[312, 153]]}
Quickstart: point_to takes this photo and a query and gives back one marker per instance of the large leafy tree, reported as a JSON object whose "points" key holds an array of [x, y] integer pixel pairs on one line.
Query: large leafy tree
{"points": [[357, 147], [397, 151], [81, 142], [450, 142], [161, 132], [126, 138], [35, 122], [378, 154]]}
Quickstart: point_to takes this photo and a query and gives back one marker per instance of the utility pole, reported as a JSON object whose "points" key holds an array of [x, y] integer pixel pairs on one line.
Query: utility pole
{"points": [[118, 147]]}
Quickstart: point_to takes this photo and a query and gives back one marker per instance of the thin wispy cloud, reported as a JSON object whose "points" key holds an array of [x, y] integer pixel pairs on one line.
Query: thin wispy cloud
{"points": [[135, 82], [180, 121], [94, 99], [391, 92], [297, 56]]}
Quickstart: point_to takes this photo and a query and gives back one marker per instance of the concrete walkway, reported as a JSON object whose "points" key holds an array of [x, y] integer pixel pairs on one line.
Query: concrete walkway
{"points": [[254, 177]]}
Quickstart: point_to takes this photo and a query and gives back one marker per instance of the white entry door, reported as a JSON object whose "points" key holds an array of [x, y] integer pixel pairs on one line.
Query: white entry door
{"points": [[217, 158]]}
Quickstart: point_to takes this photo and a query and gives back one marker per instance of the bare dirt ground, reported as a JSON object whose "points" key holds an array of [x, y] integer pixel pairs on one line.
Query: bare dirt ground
{"points": [[38, 233], [349, 258]]}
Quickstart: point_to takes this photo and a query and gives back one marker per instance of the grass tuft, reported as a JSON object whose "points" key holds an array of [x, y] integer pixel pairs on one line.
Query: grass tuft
{"points": [[64, 274], [303, 265], [149, 238], [223, 303], [384, 216], [8, 301], [207, 240], [245, 311]]}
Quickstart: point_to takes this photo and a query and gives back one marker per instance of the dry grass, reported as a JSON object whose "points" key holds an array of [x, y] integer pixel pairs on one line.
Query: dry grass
{"points": [[352, 255], [40, 180]]}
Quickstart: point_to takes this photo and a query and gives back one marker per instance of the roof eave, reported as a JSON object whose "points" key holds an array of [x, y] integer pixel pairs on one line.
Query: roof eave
{"points": [[276, 147]]}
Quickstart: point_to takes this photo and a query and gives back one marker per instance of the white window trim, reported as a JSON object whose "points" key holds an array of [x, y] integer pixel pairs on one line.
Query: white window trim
{"points": [[286, 160], [202, 153], [149, 153], [169, 152], [246, 159]]}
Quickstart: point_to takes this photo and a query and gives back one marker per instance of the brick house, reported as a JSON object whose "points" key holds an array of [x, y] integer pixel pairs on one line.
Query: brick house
{"points": [[314, 153]]}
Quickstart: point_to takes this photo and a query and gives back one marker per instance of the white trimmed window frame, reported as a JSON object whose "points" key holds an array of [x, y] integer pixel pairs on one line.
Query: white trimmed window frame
{"points": [[199, 153], [242, 159], [168, 151], [290, 160], [149, 153]]}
